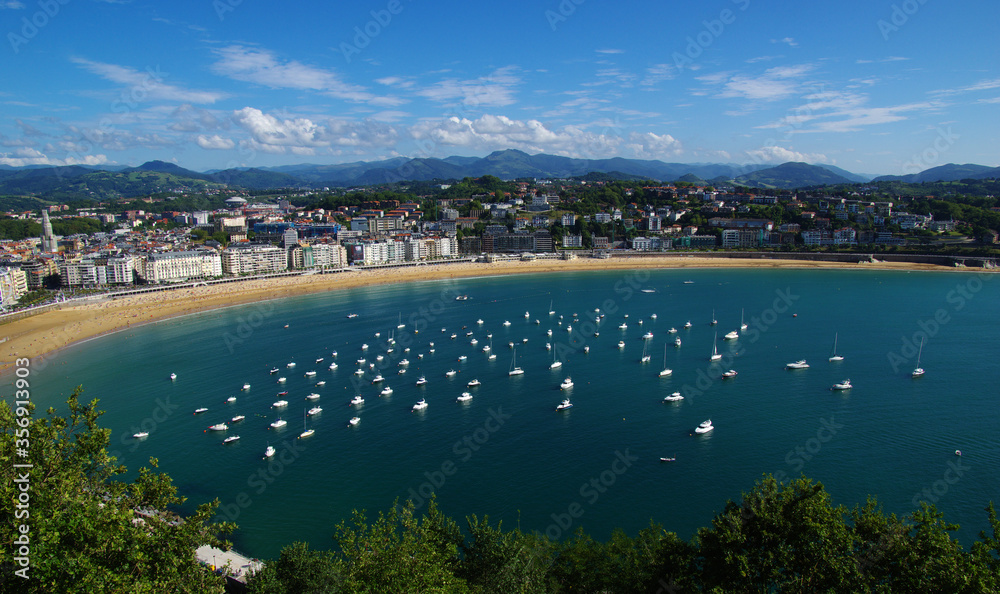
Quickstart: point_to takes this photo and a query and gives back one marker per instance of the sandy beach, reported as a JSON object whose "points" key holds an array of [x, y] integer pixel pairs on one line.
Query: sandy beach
{"points": [[50, 331]]}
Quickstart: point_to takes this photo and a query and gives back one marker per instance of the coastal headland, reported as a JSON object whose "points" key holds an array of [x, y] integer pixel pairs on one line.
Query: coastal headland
{"points": [[39, 335]]}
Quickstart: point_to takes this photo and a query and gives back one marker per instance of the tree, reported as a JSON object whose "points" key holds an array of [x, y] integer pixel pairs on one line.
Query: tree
{"points": [[778, 538], [85, 530]]}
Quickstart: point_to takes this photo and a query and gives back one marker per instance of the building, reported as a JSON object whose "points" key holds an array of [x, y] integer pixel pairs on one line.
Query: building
{"points": [[172, 267], [742, 238], [13, 285], [572, 241], [253, 258]]}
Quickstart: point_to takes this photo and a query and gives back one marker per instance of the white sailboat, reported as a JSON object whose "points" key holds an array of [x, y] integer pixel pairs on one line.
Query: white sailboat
{"points": [[556, 363], [743, 325], [919, 371], [715, 349], [552, 312], [645, 357], [834, 356], [514, 370], [401, 324], [665, 371], [305, 431], [714, 321]]}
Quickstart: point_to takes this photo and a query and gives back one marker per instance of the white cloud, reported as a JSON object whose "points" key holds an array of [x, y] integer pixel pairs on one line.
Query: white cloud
{"points": [[29, 156], [777, 154], [493, 90], [262, 67], [653, 146], [658, 73], [299, 135], [12, 5], [610, 51], [215, 142], [494, 132], [147, 85], [773, 84], [790, 41]]}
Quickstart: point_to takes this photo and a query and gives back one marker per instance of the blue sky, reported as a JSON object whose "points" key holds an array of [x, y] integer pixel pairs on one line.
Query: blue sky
{"points": [[870, 86]]}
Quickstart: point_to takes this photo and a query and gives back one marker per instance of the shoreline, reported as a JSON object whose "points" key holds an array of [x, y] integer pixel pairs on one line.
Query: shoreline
{"points": [[51, 331]]}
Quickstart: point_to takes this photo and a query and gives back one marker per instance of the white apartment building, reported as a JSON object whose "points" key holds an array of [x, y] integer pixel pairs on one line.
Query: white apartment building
{"points": [[253, 258]]}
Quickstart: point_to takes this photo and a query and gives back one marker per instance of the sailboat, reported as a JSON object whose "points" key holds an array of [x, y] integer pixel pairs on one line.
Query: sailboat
{"points": [[665, 371], [556, 363], [514, 370], [645, 357], [552, 312], [305, 431], [714, 321], [401, 324], [715, 349], [919, 371], [834, 356], [743, 325]]}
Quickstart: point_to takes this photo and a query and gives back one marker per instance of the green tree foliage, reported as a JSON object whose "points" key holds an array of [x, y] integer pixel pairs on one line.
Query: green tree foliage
{"points": [[85, 532]]}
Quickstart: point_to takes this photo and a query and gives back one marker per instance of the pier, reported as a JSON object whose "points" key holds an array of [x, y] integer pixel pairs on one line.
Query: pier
{"points": [[233, 565]]}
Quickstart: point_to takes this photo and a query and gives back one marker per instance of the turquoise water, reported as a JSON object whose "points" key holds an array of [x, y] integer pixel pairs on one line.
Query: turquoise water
{"points": [[508, 454]]}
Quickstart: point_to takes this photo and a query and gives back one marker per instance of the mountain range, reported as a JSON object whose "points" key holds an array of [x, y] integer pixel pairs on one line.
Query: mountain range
{"points": [[77, 182]]}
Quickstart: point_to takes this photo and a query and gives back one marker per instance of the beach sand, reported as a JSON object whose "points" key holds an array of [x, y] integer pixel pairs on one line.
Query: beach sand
{"points": [[50, 331]]}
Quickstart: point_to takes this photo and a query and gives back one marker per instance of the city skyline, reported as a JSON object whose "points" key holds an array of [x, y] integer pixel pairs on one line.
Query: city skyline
{"points": [[871, 88]]}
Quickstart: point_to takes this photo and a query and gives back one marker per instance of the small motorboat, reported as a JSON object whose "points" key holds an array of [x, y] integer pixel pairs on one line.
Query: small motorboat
{"points": [[704, 427], [386, 391], [474, 383], [200, 410], [140, 435], [565, 405], [421, 381], [237, 419], [420, 405], [357, 400], [230, 439], [675, 397], [465, 397], [354, 421], [219, 427]]}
